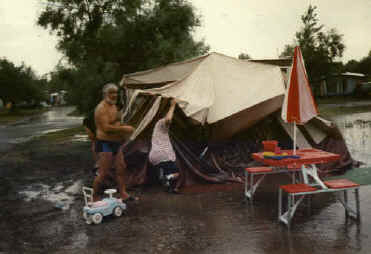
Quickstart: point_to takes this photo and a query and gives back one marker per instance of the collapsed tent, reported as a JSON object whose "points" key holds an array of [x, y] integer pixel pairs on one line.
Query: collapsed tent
{"points": [[226, 107]]}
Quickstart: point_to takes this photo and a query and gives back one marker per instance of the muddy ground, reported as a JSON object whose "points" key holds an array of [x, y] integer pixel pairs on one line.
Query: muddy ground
{"points": [[32, 223], [41, 207], [41, 212]]}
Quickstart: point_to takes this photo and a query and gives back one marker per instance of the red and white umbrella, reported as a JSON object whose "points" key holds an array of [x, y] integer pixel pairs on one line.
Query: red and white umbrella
{"points": [[299, 105]]}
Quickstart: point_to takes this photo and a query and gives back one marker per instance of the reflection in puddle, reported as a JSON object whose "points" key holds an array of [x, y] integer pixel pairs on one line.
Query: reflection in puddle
{"points": [[51, 131], [356, 130], [79, 137], [61, 199], [79, 241], [74, 188], [20, 140]]}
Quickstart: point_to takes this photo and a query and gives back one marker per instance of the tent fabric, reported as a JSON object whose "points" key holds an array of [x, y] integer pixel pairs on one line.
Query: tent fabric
{"points": [[147, 118], [299, 105], [225, 161], [222, 89], [212, 87], [301, 141], [169, 73]]}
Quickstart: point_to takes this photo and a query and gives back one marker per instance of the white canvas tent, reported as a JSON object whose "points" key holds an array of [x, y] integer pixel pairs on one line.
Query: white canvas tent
{"points": [[216, 89], [228, 96]]}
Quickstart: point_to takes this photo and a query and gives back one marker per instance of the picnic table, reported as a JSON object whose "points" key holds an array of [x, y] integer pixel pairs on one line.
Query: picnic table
{"points": [[305, 160]]}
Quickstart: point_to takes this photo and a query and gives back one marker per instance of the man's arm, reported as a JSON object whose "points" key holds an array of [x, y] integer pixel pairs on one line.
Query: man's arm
{"points": [[104, 124]]}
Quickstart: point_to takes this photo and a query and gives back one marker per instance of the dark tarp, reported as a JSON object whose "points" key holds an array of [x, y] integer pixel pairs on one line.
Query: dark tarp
{"points": [[222, 161]]}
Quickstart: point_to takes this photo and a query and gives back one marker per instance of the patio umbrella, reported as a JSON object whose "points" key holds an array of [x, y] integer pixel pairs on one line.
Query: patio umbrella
{"points": [[298, 105]]}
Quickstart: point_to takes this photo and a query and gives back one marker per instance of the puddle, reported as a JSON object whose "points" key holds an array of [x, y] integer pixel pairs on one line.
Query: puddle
{"points": [[54, 120], [356, 130], [20, 140], [51, 131], [79, 241], [80, 137], [60, 195], [74, 188]]}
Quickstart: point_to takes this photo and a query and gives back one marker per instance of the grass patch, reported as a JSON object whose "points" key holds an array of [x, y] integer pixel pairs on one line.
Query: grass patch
{"points": [[52, 156], [63, 135], [58, 145], [335, 105], [7, 116], [341, 99], [341, 110], [75, 113]]}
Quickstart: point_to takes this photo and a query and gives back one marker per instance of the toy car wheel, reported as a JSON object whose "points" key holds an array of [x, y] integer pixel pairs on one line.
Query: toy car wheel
{"points": [[97, 218], [117, 211]]}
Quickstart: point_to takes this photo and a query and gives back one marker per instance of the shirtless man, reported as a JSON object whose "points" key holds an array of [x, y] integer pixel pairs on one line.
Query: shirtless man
{"points": [[110, 135]]}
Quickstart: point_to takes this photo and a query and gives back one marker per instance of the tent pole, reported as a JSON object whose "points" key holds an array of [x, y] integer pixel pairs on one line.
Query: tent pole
{"points": [[295, 138]]}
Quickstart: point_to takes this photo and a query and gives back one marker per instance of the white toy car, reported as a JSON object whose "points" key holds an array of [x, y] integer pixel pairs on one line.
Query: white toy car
{"points": [[94, 212]]}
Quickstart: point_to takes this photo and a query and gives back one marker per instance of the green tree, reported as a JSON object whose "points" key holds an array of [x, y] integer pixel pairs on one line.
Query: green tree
{"points": [[288, 51], [352, 66], [103, 39], [78, 23], [19, 83], [319, 48], [365, 65], [362, 66], [244, 56]]}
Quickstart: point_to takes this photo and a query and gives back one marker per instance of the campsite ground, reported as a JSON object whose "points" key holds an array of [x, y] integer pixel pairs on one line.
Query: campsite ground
{"points": [[41, 204], [7, 116], [334, 106]]}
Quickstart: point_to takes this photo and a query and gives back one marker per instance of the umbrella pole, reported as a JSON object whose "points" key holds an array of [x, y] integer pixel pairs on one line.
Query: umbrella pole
{"points": [[294, 138]]}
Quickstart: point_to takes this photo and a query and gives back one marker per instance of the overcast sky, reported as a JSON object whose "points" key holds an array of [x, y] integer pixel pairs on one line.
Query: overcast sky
{"points": [[260, 28]]}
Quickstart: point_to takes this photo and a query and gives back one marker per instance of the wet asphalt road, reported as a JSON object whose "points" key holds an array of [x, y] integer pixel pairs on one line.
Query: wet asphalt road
{"points": [[43, 214], [53, 120]]}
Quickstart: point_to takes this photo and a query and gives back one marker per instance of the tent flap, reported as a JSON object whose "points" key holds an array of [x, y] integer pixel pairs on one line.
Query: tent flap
{"points": [[213, 87]]}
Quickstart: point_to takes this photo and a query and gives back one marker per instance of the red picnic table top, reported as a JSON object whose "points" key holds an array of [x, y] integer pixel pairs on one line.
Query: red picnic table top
{"points": [[306, 156]]}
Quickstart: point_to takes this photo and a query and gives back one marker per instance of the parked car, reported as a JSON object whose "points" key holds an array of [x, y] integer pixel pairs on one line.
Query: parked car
{"points": [[94, 212]]}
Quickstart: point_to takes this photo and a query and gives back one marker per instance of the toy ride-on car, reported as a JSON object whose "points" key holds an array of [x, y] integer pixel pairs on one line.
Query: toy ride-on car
{"points": [[94, 212]]}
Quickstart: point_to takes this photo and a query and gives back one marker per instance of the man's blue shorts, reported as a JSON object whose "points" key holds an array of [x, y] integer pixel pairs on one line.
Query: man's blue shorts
{"points": [[107, 146]]}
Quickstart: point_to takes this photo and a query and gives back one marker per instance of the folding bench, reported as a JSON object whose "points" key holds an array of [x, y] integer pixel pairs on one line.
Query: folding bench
{"points": [[301, 190], [250, 186]]}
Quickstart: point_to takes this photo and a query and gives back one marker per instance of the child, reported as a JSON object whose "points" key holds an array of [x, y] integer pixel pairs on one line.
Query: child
{"points": [[162, 154]]}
